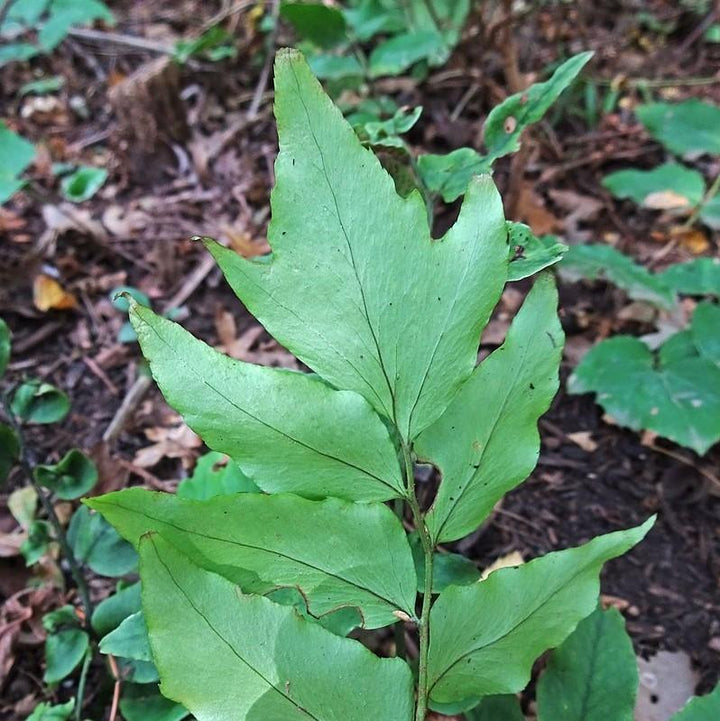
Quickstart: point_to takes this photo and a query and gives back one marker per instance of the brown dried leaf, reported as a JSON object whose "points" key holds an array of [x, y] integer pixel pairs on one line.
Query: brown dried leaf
{"points": [[48, 294]]}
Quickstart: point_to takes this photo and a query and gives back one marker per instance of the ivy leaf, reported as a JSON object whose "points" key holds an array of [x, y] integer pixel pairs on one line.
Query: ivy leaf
{"points": [[240, 409], [669, 186], [481, 644], [506, 122], [593, 676], [595, 261], [73, 476], [675, 394], [529, 253], [356, 288], [226, 655], [360, 558], [700, 276], [700, 708], [487, 441], [688, 129]]}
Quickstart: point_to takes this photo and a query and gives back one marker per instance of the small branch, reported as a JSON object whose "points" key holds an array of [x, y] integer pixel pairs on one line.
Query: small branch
{"points": [[711, 193], [424, 628], [82, 683], [130, 41]]}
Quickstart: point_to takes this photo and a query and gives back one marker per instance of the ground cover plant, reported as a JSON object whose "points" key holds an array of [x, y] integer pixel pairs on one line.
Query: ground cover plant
{"points": [[247, 597], [677, 372]]}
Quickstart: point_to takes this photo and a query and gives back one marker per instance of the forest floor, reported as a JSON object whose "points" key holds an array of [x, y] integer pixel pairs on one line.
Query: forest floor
{"points": [[593, 476]]}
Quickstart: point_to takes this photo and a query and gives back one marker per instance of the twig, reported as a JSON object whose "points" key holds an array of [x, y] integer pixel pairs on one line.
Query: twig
{"points": [[138, 389], [116, 690], [265, 72], [711, 193], [82, 682], [101, 37]]}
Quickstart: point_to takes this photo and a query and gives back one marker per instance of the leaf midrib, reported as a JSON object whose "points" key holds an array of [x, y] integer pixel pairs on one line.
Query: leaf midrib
{"points": [[231, 402], [361, 289], [500, 414], [233, 650], [390, 602], [504, 635]]}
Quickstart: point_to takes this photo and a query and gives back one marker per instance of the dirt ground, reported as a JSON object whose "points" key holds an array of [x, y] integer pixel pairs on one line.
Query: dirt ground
{"points": [[216, 182]]}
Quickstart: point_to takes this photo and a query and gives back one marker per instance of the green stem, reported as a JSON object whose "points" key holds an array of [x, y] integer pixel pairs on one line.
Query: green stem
{"points": [[428, 548], [82, 682], [711, 193]]}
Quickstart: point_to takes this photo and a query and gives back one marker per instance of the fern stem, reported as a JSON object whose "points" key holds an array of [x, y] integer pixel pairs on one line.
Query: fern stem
{"points": [[427, 544]]}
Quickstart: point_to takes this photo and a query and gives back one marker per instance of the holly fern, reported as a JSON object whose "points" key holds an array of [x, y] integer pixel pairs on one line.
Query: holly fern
{"points": [[249, 598]]}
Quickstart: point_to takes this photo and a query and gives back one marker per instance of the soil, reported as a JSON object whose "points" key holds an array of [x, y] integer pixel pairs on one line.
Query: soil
{"points": [[668, 587]]}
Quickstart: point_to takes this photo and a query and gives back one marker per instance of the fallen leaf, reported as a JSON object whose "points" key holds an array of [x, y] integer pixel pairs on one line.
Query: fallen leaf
{"points": [[514, 558], [665, 200], [48, 294], [176, 442], [667, 681], [584, 440], [532, 210], [692, 239]]}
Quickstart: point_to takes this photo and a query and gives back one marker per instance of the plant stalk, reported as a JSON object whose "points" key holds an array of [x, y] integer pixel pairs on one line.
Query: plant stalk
{"points": [[709, 195], [424, 628]]}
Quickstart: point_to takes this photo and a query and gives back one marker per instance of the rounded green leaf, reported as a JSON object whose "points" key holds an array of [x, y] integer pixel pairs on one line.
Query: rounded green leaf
{"points": [[83, 183], [215, 475], [598, 261], [224, 655], [70, 478], [96, 543], [670, 186], [64, 651], [113, 610], [35, 545], [322, 25], [689, 129], [593, 675], [128, 640], [700, 276], [38, 402]]}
